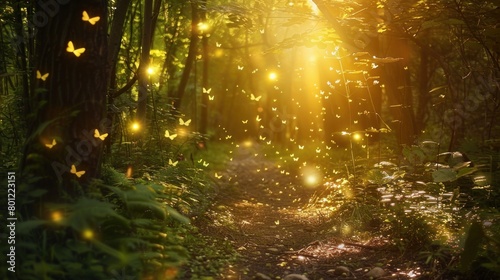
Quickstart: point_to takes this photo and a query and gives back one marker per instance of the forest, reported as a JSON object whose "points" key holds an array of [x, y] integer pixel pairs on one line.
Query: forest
{"points": [[258, 139]]}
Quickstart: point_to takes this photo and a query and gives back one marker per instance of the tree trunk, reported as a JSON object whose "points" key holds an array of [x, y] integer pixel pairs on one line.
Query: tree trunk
{"points": [[204, 79], [70, 102], [190, 60], [145, 62]]}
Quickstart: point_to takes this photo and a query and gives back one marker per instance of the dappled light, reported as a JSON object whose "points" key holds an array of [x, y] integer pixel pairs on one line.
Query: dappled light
{"points": [[213, 139]]}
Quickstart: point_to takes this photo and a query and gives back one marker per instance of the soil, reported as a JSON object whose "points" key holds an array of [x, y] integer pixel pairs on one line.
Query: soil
{"points": [[266, 215]]}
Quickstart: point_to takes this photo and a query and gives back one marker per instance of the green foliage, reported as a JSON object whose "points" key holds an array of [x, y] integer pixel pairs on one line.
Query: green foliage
{"points": [[120, 229]]}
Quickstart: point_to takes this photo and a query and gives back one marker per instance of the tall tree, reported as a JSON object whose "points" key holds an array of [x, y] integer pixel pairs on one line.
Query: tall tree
{"points": [[69, 125]]}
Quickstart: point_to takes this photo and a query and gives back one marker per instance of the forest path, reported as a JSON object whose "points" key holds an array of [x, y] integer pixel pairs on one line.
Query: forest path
{"points": [[263, 213]]}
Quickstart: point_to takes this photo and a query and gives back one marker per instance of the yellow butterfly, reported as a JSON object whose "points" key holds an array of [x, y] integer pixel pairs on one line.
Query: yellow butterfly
{"points": [[173, 163], [40, 76], [52, 144], [252, 97], [301, 147], [218, 45], [100, 136], [171, 136], [182, 122], [217, 175], [262, 137], [207, 90], [77, 173], [85, 17], [205, 163], [211, 97], [240, 67], [245, 121], [258, 118], [76, 52]]}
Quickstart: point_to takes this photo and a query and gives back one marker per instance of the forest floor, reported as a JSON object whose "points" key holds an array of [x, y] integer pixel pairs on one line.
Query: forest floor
{"points": [[267, 217]]}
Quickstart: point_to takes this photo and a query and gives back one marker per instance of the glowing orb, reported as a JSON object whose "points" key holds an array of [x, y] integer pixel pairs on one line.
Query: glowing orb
{"points": [[56, 216], [273, 76], [88, 234], [135, 126], [311, 177], [356, 136], [203, 26]]}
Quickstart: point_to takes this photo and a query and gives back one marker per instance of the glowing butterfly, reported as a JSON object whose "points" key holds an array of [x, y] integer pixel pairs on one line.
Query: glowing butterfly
{"points": [[40, 76], [205, 163], [240, 67], [262, 31], [252, 97], [296, 159], [52, 144], [173, 163], [218, 45], [269, 142], [217, 175], [171, 136], [245, 121], [182, 122], [76, 52], [301, 147], [274, 108], [211, 97], [318, 150], [199, 161], [85, 17], [258, 118], [283, 121], [100, 136], [207, 90], [277, 222], [77, 173], [262, 138]]}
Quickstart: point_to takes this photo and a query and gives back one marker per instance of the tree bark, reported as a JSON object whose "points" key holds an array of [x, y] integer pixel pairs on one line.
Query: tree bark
{"points": [[204, 80], [190, 60], [70, 103], [145, 62]]}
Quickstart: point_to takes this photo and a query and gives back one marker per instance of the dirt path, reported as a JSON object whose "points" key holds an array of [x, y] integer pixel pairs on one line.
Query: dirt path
{"points": [[262, 212]]}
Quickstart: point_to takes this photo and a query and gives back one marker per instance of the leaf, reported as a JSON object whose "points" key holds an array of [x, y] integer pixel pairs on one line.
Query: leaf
{"points": [[466, 171], [176, 215], [27, 226], [143, 205], [473, 241], [444, 175]]}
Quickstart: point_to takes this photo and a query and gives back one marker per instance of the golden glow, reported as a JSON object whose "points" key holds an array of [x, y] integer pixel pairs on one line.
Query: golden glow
{"points": [[129, 172], [356, 136], [56, 216], [182, 132], [311, 177], [88, 234], [273, 76], [135, 126], [247, 144], [203, 26], [151, 70]]}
